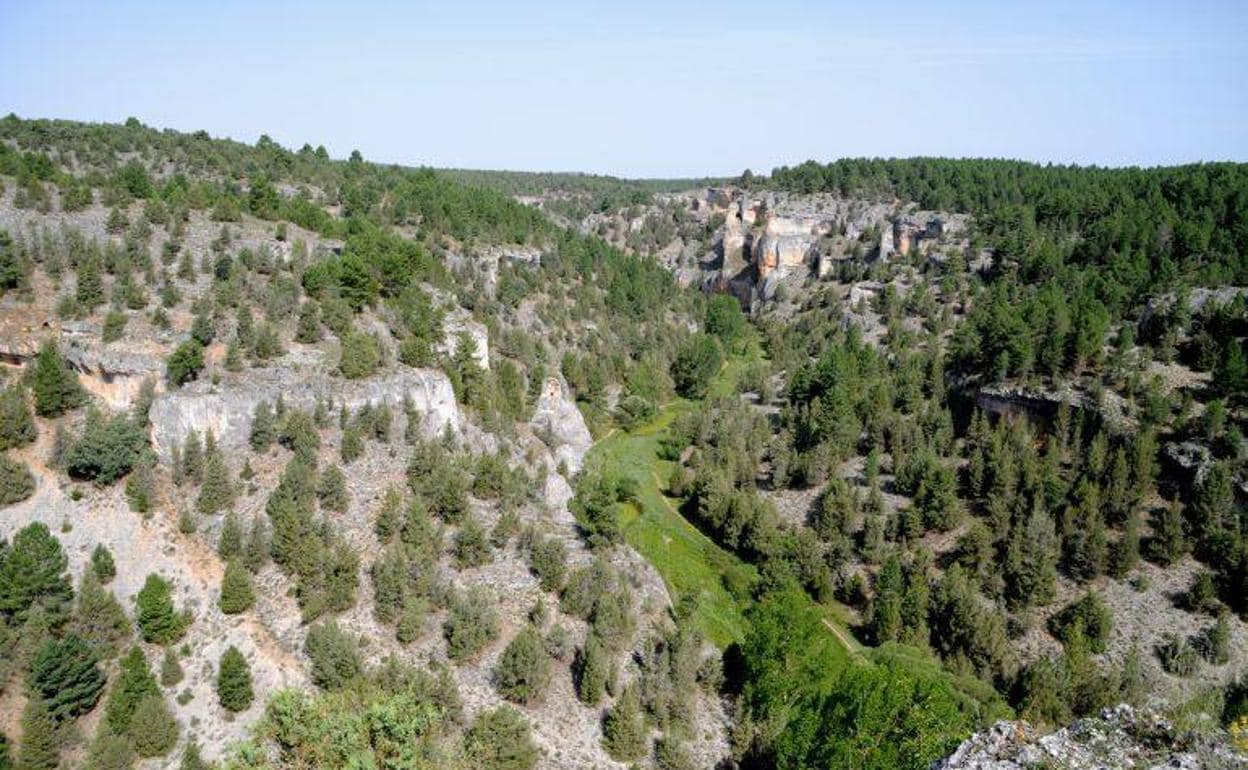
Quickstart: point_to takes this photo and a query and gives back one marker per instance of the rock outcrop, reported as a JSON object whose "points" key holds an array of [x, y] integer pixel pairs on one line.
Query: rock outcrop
{"points": [[227, 410], [560, 425], [1117, 739]]}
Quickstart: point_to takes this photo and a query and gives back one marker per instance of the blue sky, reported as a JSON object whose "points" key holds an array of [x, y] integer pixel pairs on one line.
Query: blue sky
{"points": [[649, 88]]}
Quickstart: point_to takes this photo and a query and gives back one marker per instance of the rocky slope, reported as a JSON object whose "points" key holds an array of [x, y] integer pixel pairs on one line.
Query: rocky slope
{"points": [[1118, 739]]}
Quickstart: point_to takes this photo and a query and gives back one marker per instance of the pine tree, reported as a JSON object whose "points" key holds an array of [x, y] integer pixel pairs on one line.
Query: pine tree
{"points": [[153, 730], [141, 484], [230, 543], [99, 617], [102, 564], [523, 671], [332, 490], [170, 669], [234, 689], [1168, 543], [624, 728], [390, 576], [308, 330], [134, 683], [263, 427], [237, 594], [885, 618], [591, 669], [157, 619], [257, 552], [110, 752], [32, 573], [40, 748], [389, 515], [499, 740], [217, 492], [90, 290], [55, 385], [66, 675], [192, 458]]}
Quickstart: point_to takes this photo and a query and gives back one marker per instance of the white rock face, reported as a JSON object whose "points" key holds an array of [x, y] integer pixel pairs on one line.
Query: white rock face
{"points": [[227, 411], [560, 424]]}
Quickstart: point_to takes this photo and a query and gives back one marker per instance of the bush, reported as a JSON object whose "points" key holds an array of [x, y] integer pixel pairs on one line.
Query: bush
{"points": [[102, 564], [99, 618], [110, 752], [114, 326], [499, 740], [335, 655], [171, 672], [361, 355], [523, 671], [234, 690], [1092, 614], [1177, 655], [16, 481], [472, 547], [331, 489], [724, 319], [17, 426], [471, 624], [158, 621], [185, 362], [549, 561], [108, 448]]}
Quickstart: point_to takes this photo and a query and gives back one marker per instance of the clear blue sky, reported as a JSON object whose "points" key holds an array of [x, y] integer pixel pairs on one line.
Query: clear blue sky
{"points": [[651, 88]]}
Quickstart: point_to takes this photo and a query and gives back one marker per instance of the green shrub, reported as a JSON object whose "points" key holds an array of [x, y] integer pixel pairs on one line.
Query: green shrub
{"points": [[108, 448], [17, 426], [114, 326], [548, 559], [335, 655], [1094, 617], [16, 481], [624, 733], [185, 362], [361, 355], [499, 740], [523, 670], [471, 624], [102, 563]]}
